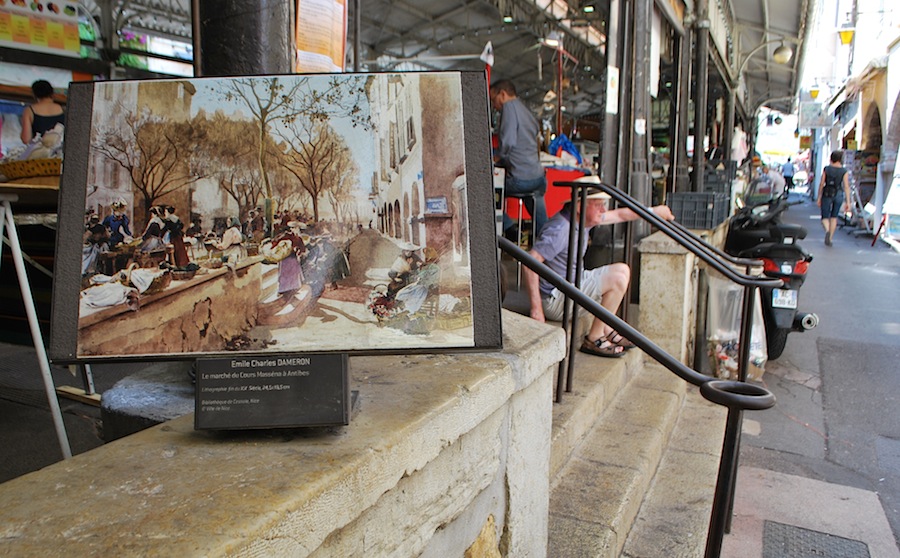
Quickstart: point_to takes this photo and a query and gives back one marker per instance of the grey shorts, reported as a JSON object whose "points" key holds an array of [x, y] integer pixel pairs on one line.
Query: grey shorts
{"points": [[591, 285]]}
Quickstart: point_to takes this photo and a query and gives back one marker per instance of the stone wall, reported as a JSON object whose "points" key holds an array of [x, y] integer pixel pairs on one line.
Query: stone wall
{"points": [[669, 291], [443, 450]]}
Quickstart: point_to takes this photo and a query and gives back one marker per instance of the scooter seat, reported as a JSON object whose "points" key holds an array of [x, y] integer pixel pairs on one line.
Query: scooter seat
{"points": [[776, 250], [790, 230]]}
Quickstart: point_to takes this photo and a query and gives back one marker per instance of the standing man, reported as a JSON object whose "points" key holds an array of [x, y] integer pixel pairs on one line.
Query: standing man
{"points": [[834, 195], [606, 284], [519, 153], [787, 171]]}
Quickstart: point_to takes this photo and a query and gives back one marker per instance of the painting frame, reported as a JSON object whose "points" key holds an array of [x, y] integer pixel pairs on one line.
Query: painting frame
{"points": [[461, 313]]}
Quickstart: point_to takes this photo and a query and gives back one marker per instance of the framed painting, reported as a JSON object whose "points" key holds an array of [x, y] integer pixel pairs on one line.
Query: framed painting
{"points": [[276, 214]]}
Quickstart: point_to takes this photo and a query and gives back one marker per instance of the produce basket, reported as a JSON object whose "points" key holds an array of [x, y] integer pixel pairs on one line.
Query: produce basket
{"points": [[159, 284], [30, 168], [183, 274]]}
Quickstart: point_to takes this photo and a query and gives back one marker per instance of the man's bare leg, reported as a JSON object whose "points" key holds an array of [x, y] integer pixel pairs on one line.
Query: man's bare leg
{"points": [[616, 278]]}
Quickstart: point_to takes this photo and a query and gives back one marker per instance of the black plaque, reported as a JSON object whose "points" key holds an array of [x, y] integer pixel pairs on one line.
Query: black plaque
{"points": [[277, 391]]}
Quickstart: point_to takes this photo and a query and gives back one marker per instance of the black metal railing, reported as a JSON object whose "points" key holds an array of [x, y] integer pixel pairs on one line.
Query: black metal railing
{"points": [[736, 395]]}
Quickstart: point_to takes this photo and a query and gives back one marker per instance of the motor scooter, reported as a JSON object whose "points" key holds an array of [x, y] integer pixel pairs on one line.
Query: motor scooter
{"points": [[757, 232]]}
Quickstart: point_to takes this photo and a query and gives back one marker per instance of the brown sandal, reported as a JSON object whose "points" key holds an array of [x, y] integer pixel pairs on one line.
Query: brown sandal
{"points": [[616, 339], [601, 347]]}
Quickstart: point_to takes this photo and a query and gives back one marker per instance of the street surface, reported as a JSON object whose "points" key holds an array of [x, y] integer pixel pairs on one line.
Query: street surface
{"points": [[837, 386]]}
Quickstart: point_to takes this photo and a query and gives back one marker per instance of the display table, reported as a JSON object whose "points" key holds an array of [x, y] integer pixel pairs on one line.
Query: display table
{"points": [[38, 194], [8, 228]]}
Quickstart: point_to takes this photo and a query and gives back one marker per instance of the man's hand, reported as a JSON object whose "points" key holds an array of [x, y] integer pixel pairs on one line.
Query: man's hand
{"points": [[537, 313], [664, 212]]}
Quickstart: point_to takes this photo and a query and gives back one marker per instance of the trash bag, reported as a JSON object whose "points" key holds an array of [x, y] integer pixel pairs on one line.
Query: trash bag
{"points": [[723, 326]]}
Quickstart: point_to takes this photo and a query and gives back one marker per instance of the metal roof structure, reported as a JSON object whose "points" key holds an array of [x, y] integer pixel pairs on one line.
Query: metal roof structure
{"points": [[398, 35]]}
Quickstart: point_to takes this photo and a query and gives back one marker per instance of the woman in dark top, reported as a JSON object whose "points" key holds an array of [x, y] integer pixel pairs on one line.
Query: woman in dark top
{"points": [[44, 114], [154, 232], [834, 196]]}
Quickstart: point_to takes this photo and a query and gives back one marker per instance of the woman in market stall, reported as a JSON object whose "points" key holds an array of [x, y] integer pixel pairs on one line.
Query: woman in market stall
{"points": [[43, 114]]}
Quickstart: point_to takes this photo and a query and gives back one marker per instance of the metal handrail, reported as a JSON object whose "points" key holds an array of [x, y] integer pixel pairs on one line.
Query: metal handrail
{"points": [[711, 255], [737, 396]]}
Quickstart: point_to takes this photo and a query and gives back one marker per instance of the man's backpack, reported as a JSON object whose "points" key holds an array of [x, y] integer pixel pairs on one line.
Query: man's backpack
{"points": [[833, 178]]}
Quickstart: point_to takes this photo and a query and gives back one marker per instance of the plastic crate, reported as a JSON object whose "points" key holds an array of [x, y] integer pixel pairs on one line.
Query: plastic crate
{"points": [[717, 186], [699, 210]]}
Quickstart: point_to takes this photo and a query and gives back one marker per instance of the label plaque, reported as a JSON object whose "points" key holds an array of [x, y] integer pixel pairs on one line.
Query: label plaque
{"points": [[272, 392]]}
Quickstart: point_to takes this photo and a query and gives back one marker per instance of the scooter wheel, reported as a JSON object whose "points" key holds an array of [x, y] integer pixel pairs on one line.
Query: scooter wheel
{"points": [[776, 339]]}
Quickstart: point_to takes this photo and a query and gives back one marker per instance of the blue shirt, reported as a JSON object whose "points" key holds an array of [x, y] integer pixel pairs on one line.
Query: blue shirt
{"points": [[553, 245]]}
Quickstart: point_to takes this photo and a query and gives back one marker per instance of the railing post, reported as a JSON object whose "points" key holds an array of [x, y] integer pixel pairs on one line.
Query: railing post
{"points": [[720, 516], [737, 397]]}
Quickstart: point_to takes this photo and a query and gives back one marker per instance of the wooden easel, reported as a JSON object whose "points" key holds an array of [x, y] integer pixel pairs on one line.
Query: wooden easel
{"points": [[8, 226]]}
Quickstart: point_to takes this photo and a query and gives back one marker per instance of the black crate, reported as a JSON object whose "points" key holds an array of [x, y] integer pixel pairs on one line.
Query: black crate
{"points": [[699, 210], [717, 186]]}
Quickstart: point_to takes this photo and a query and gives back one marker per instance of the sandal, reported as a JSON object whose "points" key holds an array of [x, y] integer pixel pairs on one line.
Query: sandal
{"points": [[616, 339], [601, 347]]}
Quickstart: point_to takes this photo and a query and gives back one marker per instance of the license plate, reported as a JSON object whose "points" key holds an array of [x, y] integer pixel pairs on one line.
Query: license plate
{"points": [[784, 298]]}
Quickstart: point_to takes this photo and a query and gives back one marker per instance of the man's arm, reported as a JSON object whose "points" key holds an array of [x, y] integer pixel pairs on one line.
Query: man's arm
{"points": [[532, 288], [506, 135], [624, 214]]}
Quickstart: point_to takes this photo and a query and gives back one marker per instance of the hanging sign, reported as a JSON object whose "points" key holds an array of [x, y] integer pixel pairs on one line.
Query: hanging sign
{"points": [[814, 115], [40, 26], [321, 35]]}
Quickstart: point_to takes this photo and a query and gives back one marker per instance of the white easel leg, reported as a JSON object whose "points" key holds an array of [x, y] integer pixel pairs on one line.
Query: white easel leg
{"points": [[19, 262]]}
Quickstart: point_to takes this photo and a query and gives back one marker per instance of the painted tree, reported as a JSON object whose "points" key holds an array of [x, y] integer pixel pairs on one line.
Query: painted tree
{"points": [[284, 100], [155, 152], [322, 166], [229, 156]]}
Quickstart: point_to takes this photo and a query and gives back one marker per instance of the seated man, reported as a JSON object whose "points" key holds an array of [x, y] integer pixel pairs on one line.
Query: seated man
{"points": [[606, 284]]}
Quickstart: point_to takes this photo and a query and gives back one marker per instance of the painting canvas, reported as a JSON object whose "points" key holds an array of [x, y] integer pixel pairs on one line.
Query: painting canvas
{"points": [[299, 213]]}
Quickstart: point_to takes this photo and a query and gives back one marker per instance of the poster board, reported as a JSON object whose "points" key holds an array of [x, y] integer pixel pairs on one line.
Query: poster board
{"points": [[891, 208], [336, 250]]}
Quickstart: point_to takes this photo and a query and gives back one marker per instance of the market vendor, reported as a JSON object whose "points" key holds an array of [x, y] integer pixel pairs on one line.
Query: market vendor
{"points": [[117, 224], [43, 114]]}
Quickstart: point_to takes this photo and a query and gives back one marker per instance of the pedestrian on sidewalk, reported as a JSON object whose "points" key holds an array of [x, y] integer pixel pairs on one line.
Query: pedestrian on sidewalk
{"points": [[606, 284], [834, 196], [787, 171]]}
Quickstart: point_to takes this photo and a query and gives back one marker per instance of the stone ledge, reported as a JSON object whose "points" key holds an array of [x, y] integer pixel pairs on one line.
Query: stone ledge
{"points": [[175, 491]]}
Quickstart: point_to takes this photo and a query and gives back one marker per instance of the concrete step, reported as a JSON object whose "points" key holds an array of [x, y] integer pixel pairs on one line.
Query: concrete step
{"points": [[596, 383], [674, 517], [598, 487]]}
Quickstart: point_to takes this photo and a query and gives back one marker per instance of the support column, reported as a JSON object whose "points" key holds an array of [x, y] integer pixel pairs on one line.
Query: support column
{"points": [[625, 128], [609, 133], [728, 135], [678, 167], [701, 93], [639, 124], [640, 147], [245, 38]]}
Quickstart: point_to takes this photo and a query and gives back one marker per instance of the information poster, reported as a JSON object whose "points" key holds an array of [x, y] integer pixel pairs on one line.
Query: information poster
{"points": [[814, 115], [41, 26], [321, 35], [272, 392]]}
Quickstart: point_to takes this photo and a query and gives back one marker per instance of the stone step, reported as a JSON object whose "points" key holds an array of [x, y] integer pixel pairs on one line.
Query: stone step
{"points": [[598, 487], [596, 382], [674, 517]]}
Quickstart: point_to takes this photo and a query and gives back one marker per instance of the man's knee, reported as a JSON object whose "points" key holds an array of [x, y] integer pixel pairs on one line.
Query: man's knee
{"points": [[619, 274]]}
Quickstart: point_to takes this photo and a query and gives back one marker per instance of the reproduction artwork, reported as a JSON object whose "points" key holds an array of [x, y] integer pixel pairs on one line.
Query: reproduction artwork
{"points": [[298, 213]]}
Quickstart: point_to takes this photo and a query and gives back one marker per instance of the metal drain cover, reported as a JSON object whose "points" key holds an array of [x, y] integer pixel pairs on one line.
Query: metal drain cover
{"points": [[787, 541]]}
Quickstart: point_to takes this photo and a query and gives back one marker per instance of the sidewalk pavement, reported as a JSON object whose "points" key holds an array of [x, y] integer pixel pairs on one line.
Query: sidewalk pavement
{"points": [[786, 516]]}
